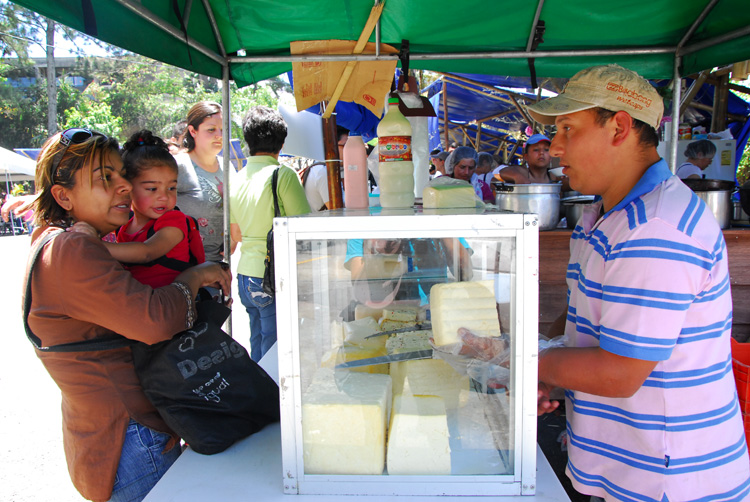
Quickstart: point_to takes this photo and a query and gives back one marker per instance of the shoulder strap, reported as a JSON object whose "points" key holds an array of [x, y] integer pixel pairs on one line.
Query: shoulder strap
{"points": [[103, 343], [274, 183], [173, 263]]}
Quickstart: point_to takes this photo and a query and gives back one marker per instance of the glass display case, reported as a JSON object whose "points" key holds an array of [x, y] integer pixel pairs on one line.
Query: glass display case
{"points": [[374, 400]]}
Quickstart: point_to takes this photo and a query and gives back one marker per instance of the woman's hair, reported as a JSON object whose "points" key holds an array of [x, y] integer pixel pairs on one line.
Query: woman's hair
{"points": [[143, 151], [457, 155], [700, 149], [70, 160], [264, 130], [199, 112]]}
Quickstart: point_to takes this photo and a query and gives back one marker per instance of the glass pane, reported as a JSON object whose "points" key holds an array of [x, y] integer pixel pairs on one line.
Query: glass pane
{"points": [[376, 399]]}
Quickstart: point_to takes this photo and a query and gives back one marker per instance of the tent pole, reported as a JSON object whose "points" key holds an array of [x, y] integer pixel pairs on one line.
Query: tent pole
{"points": [[445, 115], [226, 119], [214, 28], [675, 133]]}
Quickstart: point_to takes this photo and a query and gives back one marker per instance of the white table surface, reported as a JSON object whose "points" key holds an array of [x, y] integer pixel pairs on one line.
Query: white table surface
{"points": [[250, 470]]}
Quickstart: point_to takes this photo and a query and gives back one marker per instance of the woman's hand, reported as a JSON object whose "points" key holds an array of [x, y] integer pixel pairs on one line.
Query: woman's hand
{"points": [[211, 274], [84, 228], [20, 205]]}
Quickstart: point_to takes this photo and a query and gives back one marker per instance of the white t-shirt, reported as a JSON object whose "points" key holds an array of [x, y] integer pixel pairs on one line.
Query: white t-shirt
{"points": [[688, 169], [316, 187]]}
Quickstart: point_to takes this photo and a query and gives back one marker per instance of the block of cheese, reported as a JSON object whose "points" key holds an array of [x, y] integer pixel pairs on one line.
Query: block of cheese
{"points": [[404, 314], [469, 305], [418, 439], [357, 333], [344, 421], [354, 353], [433, 377], [361, 311], [408, 341], [389, 325], [434, 197]]}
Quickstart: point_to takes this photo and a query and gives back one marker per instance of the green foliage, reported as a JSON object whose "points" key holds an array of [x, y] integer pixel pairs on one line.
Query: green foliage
{"points": [[93, 114]]}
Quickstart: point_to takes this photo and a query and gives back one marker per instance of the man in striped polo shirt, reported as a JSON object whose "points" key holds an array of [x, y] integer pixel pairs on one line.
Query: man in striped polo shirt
{"points": [[651, 403]]}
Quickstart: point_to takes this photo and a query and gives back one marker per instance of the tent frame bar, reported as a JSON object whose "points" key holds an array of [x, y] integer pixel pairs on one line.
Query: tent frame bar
{"points": [[171, 30], [302, 58]]}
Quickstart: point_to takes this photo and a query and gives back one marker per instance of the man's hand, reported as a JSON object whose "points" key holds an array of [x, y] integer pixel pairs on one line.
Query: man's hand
{"points": [[543, 403]]}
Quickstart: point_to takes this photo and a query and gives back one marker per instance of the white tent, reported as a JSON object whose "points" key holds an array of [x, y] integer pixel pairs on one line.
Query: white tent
{"points": [[15, 167]]}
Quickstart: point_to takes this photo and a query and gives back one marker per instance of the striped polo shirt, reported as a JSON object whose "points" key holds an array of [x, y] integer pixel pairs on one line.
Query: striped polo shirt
{"points": [[649, 280]]}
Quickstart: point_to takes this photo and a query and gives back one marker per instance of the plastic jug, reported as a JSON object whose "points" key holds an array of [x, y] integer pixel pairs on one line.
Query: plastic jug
{"points": [[394, 159], [356, 194]]}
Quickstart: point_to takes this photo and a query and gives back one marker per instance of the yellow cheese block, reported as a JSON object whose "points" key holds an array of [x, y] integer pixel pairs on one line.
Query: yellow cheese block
{"points": [[469, 305], [448, 196], [361, 311], [353, 353], [418, 439], [432, 377], [403, 314], [344, 424]]}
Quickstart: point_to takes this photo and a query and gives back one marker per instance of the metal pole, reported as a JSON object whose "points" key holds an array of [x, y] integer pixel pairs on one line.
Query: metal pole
{"points": [[676, 91], [445, 115], [226, 118]]}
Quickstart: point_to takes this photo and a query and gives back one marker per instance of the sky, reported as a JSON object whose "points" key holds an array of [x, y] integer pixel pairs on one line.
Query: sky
{"points": [[65, 48]]}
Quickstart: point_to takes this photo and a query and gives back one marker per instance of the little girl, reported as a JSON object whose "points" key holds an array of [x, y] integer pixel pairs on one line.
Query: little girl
{"points": [[155, 245]]}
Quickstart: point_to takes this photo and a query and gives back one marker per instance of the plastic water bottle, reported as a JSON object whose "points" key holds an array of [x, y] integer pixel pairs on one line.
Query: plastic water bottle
{"points": [[356, 194], [394, 159]]}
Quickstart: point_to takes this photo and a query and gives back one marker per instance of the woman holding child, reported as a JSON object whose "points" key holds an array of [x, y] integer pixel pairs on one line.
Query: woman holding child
{"points": [[117, 446]]}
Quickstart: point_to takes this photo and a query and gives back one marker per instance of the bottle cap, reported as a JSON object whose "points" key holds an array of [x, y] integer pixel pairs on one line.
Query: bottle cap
{"points": [[352, 133], [393, 100]]}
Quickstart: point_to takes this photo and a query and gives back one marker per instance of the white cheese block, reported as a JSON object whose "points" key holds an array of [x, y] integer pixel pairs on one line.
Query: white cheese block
{"points": [[432, 377], [344, 422], [448, 196], [356, 333], [408, 342], [469, 305], [406, 314], [389, 325], [418, 439], [361, 311]]}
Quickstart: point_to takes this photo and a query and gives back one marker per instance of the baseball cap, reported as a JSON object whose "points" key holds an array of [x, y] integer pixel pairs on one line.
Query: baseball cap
{"points": [[611, 87], [534, 139], [440, 155]]}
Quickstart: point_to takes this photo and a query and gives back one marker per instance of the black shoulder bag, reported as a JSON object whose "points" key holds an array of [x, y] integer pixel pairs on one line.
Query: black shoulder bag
{"points": [[269, 277], [202, 382]]}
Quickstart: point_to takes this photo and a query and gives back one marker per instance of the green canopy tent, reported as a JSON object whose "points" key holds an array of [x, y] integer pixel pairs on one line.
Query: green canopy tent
{"points": [[248, 40]]}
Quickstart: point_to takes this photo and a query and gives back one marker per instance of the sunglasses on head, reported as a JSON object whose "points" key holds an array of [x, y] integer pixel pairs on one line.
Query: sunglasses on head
{"points": [[69, 137]]}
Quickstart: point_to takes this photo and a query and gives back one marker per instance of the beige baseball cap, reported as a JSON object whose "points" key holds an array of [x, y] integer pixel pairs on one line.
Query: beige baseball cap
{"points": [[611, 87]]}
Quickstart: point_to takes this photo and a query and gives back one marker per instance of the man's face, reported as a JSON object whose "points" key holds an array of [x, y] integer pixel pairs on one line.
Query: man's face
{"points": [[439, 164], [581, 144], [537, 155]]}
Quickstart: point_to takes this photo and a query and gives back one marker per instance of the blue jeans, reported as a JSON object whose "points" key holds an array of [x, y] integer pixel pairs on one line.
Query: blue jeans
{"points": [[261, 308], [142, 462]]}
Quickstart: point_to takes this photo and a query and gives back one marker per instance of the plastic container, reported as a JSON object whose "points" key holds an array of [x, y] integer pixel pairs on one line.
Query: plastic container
{"points": [[356, 194], [741, 367], [394, 159]]}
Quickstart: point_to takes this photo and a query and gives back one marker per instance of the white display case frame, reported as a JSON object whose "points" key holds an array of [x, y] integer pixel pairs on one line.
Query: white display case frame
{"points": [[411, 223]]}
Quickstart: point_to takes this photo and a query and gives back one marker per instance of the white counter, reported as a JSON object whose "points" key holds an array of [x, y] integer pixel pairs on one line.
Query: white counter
{"points": [[251, 470]]}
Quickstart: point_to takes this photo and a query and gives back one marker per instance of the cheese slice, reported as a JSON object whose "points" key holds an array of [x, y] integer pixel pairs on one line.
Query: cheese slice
{"points": [[429, 377], [418, 439], [408, 341], [404, 314], [469, 305], [344, 418], [349, 353]]}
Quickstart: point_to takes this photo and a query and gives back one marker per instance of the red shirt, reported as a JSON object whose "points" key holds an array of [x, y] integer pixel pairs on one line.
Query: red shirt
{"points": [[156, 275]]}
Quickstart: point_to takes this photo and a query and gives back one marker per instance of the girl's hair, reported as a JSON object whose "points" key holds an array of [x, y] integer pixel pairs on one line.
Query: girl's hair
{"points": [[57, 165], [199, 112], [143, 151]]}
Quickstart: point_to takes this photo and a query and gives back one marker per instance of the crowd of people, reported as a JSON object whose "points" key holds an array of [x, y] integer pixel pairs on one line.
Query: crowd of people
{"points": [[645, 364]]}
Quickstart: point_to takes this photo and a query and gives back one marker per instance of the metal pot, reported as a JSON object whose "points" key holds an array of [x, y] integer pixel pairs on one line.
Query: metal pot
{"points": [[540, 198], [717, 194], [573, 208]]}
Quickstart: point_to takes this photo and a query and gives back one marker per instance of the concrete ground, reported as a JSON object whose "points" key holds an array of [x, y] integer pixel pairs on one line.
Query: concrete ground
{"points": [[32, 462]]}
